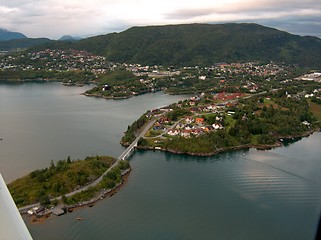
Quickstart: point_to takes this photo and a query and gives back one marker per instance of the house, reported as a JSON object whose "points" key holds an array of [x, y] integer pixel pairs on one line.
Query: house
{"points": [[197, 131], [230, 113], [189, 126], [157, 126], [202, 109], [189, 120], [180, 126], [206, 129], [194, 110], [106, 87], [308, 95], [199, 120], [217, 126], [231, 104], [173, 132], [186, 133], [163, 120], [211, 107]]}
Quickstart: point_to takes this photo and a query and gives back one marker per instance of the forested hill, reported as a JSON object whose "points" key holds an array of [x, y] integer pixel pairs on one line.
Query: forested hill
{"points": [[203, 44], [24, 43]]}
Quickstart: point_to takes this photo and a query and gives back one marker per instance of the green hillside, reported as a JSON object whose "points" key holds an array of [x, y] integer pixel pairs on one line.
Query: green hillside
{"points": [[202, 44], [23, 43]]}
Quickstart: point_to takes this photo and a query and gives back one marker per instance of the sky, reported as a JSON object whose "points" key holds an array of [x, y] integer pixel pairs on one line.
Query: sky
{"points": [[84, 18]]}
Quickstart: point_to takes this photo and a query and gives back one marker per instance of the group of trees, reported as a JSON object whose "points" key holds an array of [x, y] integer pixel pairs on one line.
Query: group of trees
{"points": [[109, 181], [121, 82], [282, 117], [80, 76], [130, 134], [58, 179]]}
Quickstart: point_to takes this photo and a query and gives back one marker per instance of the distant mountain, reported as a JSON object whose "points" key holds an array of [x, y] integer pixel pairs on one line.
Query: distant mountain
{"points": [[69, 38], [204, 44], [6, 35], [200, 44]]}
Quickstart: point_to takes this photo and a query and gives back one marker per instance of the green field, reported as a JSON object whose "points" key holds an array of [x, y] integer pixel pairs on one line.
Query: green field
{"points": [[316, 110]]}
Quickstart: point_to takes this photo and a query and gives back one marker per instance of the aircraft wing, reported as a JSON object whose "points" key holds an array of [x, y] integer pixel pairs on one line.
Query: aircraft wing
{"points": [[12, 226]]}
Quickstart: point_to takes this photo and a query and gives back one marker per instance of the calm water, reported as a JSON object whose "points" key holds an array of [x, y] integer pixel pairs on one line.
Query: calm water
{"points": [[236, 195]]}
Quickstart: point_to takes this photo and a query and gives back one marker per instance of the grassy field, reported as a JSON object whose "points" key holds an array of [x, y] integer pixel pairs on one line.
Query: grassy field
{"points": [[316, 110]]}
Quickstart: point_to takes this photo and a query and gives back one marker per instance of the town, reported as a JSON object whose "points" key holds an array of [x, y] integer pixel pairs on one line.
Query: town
{"points": [[124, 80]]}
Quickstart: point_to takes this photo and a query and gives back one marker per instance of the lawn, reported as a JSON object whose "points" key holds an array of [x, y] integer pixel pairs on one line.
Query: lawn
{"points": [[316, 110]]}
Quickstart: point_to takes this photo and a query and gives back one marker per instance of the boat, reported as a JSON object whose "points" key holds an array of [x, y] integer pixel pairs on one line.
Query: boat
{"points": [[80, 218]]}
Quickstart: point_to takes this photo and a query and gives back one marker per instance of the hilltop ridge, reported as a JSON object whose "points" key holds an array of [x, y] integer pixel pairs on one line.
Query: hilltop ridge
{"points": [[202, 44]]}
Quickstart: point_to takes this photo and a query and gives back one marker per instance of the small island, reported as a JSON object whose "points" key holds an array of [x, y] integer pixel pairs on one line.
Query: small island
{"points": [[68, 184], [210, 123]]}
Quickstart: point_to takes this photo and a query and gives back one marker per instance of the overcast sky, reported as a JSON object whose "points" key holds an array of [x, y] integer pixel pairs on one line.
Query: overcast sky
{"points": [[55, 18]]}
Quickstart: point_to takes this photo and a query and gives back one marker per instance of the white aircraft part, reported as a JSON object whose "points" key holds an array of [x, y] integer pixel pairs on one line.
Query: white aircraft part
{"points": [[12, 226]]}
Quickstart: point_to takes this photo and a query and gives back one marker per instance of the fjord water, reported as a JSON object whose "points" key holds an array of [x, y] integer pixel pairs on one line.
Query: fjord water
{"points": [[246, 194]]}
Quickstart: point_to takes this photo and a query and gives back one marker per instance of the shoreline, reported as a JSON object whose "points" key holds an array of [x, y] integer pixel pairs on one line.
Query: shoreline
{"points": [[41, 218], [232, 148], [106, 97]]}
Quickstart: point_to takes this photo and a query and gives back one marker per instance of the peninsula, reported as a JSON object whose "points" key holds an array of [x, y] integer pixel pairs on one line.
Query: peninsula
{"points": [[67, 184], [210, 123]]}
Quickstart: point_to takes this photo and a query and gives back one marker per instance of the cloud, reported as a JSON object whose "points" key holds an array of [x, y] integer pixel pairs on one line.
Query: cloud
{"points": [[6, 10], [54, 18]]}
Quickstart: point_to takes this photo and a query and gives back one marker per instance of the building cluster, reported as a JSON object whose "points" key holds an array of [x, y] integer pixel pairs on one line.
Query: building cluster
{"points": [[250, 68], [151, 71], [194, 123], [315, 76], [57, 60], [194, 126]]}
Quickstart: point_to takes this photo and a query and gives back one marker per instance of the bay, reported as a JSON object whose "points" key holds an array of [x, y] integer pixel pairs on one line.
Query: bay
{"points": [[246, 194], [40, 122]]}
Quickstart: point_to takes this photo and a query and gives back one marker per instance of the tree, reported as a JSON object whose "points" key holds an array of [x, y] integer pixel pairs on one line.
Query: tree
{"points": [[52, 165], [44, 200]]}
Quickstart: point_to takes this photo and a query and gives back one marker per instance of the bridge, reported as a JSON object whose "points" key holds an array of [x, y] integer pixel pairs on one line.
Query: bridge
{"points": [[131, 147]]}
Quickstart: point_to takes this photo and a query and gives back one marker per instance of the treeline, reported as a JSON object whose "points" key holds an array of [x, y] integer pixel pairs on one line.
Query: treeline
{"points": [[61, 76]]}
